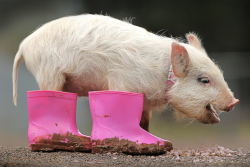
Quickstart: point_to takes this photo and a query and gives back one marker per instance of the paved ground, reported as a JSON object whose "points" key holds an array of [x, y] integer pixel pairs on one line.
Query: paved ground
{"points": [[214, 156]]}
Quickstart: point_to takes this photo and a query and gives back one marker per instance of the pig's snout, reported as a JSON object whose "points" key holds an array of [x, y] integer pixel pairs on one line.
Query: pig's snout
{"points": [[230, 107]]}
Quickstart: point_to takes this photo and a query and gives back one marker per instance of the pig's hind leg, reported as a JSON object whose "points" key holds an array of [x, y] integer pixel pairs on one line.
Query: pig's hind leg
{"points": [[145, 118], [50, 80]]}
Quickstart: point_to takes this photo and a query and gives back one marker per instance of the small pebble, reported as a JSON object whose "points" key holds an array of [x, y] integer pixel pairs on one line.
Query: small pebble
{"points": [[178, 159], [129, 156]]}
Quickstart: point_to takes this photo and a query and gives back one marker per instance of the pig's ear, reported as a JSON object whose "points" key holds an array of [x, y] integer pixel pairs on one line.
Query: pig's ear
{"points": [[194, 41], [179, 60]]}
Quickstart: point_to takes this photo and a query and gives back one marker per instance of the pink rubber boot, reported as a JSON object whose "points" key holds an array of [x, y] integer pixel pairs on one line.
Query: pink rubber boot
{"points": [[52, 122], [116, 116]]}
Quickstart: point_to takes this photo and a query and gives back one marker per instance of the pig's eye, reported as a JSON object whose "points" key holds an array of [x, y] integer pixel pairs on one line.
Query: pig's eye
{"points": [[204, 80]]}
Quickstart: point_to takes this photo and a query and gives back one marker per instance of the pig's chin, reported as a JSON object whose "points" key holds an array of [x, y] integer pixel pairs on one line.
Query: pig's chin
{"points": [[212, 116]]}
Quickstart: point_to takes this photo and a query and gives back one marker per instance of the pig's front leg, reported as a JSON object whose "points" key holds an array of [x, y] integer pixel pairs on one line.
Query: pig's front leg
{"points": [[145, 118]]}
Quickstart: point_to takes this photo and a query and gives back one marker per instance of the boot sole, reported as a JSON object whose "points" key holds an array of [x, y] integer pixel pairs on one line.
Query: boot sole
{"points": [[114, 145], [59, 142]]}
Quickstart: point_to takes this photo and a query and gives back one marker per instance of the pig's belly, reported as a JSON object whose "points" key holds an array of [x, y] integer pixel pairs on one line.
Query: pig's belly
{"points": [[82, 85]]}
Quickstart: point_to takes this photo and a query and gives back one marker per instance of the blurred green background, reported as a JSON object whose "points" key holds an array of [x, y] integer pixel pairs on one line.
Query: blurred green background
{"points": [[223, 26]]}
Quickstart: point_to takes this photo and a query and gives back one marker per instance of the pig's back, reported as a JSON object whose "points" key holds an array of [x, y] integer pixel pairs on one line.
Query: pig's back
{"points": [[92, 37]]}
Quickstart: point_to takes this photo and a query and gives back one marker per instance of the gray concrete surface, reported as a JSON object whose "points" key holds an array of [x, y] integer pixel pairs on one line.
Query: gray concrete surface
{"points": [[23, 157]]}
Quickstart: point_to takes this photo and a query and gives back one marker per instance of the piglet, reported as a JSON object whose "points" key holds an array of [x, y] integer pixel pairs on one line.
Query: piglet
{"points": [[93, 52]]}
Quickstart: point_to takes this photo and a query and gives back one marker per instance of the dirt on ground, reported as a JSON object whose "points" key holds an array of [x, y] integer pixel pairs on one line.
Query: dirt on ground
{"points": [[207, 156]]}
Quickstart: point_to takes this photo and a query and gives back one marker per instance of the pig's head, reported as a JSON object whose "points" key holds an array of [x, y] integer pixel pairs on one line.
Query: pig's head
{"points": [[200, 85]]}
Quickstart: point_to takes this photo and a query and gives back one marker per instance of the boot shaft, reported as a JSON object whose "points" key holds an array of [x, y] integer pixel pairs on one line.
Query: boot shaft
{"points": [[52, 110], [115, 114], [123, 107]]}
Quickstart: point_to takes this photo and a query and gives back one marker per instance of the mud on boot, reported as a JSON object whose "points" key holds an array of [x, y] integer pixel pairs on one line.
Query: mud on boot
{"points": [[113, 145]]}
